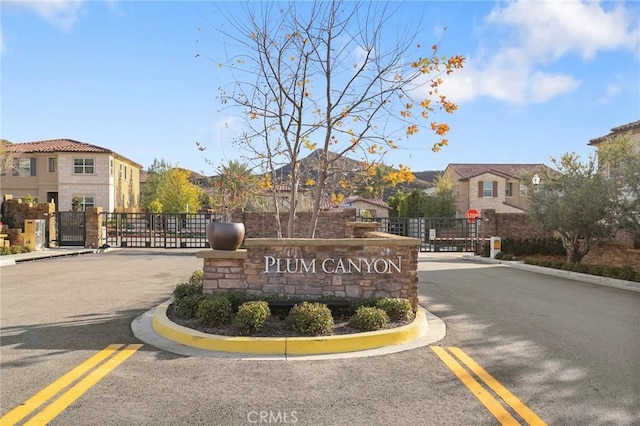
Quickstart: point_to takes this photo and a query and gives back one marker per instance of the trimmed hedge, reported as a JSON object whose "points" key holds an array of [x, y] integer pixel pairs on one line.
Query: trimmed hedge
{"points": [[626, 273]]}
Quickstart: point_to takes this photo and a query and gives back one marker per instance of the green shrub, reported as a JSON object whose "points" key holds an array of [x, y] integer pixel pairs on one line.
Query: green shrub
{"points": [[236, 298], [499, 255], [186, 306], [625, 273], [185, 290], [252, 316], [197, 277], [5, 251], [396, 309], [369, 319], [26, 249], [214, 310], [15, 249], [310, 318]]}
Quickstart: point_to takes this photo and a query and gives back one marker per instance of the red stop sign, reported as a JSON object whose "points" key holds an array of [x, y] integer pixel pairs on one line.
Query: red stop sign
{"points": [[472, 215]]}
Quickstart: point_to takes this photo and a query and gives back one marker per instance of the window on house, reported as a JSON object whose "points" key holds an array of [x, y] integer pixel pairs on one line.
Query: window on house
{"points": [[508, 189], [125, 172], [120, 174], [83, 166], [487, 189], [111, 167], [87, 201], [523, 189], [25, 167], [53, 165]]}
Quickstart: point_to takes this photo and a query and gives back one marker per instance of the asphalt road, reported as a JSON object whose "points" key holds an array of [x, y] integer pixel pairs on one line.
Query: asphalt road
{"points": [[568, 350]]}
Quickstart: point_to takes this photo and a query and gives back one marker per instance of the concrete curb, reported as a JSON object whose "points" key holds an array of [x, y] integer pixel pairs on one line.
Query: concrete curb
{"points": [[593, 279], [12, 259], [154, 328]]}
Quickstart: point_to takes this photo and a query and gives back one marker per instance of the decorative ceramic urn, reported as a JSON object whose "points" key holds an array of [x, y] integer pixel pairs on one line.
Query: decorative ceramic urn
{"points": [[225, 236]]}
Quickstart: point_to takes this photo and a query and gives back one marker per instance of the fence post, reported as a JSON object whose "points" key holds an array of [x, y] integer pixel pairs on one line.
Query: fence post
{"points": [[93, 227]]}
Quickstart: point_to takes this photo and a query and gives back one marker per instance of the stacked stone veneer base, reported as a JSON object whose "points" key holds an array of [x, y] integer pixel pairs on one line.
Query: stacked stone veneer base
{"points": [[245, 270]]}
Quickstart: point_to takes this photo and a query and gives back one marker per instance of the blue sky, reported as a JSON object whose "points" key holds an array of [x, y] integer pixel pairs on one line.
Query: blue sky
{"points": [[541, 78]]}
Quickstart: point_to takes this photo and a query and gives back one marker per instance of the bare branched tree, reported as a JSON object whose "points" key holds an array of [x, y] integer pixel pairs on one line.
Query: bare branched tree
{"points": [[336, 76]]}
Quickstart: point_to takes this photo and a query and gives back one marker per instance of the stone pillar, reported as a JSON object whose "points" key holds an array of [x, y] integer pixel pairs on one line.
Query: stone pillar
{"points": [[93, 227], [50, 217], [360, 229], [223, 270]]}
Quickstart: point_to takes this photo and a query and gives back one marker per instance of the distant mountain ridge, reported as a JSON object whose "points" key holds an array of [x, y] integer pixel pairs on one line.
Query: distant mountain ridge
{"points": [[345, 167]]}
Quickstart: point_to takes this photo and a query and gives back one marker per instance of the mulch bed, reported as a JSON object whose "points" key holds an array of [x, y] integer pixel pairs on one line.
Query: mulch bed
{"points": [[274, 327]]}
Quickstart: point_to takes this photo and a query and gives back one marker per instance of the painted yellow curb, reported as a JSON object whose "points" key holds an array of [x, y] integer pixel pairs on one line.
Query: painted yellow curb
{"points": [[288, 345]]}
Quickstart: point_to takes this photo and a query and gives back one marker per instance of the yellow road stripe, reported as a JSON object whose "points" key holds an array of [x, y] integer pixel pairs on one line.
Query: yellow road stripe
{"points": [[24, 409], [523, 411], [67, 398], [494, 407]]}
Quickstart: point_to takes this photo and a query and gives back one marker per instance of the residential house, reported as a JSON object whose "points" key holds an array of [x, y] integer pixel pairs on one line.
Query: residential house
{"points": [[491, 186], [62, 169], [632, 129], [375, 207]]}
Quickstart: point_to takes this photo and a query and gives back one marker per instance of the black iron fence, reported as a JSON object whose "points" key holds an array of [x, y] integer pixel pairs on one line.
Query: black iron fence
{"points": [[436, 234], [165, 230], [70, 228]]}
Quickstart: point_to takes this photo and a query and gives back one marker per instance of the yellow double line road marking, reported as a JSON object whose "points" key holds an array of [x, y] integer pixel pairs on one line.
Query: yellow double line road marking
{"points": [[63, 401], [491, 403]]}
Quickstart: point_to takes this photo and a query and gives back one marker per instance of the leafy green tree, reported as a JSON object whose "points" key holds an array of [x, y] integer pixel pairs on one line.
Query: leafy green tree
{"points": [[394, 202], [619, 160], [298, 87], [443, 202], [577, 202], [415, 204], [157, 174], [177, 194], [234, 186], [155, 206]]}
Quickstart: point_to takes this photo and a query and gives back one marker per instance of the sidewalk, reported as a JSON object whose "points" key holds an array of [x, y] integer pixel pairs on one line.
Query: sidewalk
{"points": [[12, 259]]}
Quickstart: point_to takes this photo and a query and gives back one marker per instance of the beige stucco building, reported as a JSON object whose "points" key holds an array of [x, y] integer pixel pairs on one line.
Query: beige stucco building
{"points": [[375, 207], [491, 186], [632, 129], [62, 169]]}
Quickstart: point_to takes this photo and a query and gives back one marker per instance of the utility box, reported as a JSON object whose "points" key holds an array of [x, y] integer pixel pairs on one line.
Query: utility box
{"points": [[34, 233], [496, 247]]}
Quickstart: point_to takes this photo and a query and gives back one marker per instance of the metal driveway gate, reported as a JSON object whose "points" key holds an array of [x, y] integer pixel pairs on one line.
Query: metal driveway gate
{"points": [[165, 230], [436, 234], [70, 228]]}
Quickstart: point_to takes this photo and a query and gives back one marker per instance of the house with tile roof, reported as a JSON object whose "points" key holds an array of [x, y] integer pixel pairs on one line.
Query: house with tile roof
{"points": [[61, 169], [632, 129], [491, 186], [376, 207]]}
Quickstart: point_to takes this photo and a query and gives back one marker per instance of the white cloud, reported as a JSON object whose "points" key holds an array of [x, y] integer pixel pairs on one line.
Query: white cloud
{"points": [[538, 33], [551, 29], [60, 13], [545, 86], [611, 92]]}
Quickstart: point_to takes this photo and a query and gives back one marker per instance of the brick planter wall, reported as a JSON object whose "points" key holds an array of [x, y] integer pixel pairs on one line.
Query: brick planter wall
{"points": [[381, 265], [330, 224]]}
